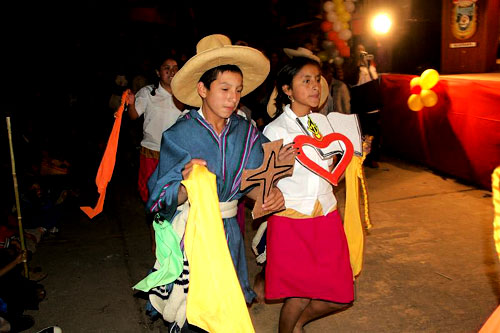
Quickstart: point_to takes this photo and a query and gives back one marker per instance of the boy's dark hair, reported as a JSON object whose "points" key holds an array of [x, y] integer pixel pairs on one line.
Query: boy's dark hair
{"points": [[285, 77], [211, 75]]}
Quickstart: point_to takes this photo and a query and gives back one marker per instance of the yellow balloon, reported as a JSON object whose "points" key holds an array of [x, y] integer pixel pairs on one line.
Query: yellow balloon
{"points": [[414, 82], [345, 17], [415, 103], [429, 78], [429, 98]]}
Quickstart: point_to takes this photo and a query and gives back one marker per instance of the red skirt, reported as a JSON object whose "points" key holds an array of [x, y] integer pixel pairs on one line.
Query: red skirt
{"points": [[308, 258], [147, 166]]}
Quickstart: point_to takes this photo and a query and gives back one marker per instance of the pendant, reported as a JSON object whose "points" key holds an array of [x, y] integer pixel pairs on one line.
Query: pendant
{"points": [[313, 128]]}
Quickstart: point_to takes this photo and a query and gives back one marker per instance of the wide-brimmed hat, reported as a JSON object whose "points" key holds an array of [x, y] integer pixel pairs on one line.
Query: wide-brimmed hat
{"points": [[271, 104], [213, 51], [301, 52]]}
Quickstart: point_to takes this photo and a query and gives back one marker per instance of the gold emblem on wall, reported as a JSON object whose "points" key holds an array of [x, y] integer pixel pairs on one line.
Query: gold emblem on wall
{"points": [[464, 18]]}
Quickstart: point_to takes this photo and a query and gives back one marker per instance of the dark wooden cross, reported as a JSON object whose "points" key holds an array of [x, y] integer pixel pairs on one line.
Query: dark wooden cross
{"points": [[267, 175]]}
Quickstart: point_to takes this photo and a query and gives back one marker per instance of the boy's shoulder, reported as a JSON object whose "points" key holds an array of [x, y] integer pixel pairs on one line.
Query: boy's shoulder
{"points": [[182, 125]]}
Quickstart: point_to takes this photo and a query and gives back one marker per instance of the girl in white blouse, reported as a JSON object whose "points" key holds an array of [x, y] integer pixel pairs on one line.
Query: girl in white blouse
{"points": [[307, 254]]}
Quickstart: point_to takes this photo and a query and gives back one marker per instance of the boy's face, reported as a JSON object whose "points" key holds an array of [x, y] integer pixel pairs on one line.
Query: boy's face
{"points": [[224, 94]]}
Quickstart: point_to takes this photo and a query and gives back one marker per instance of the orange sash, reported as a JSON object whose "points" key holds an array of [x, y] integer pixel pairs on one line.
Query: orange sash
{"points": [[105, 171]]}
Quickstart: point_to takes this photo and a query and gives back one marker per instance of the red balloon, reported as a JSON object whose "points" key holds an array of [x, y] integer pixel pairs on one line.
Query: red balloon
{"points": [[345, 52], [416, 90], [326, 26], [332, 35]]}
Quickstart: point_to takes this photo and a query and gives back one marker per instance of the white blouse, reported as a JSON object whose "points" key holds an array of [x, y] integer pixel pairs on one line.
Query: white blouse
{"points": [[304, 187], [159, 112]]}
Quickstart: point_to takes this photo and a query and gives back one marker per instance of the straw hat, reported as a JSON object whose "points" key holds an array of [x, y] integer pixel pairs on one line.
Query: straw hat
{"points": [[213, 51], [301, 52], [271, 104]]}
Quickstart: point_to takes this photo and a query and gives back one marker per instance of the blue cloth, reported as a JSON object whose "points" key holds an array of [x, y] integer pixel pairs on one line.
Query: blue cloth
{"points": [[3, 306], [238, 147]]}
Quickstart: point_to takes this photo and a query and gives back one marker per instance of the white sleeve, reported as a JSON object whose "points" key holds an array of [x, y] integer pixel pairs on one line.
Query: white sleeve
{"points": [[142, 98]]}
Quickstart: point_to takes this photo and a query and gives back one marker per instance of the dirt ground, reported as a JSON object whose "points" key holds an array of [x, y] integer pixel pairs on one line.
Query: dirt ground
{"points": [[429, 264]]}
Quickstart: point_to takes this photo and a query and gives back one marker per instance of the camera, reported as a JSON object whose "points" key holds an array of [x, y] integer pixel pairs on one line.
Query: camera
{"points": [[365, 55]]}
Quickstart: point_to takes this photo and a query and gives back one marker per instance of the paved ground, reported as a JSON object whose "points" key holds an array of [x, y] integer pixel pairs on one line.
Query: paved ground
{"points": [[430, 263]]}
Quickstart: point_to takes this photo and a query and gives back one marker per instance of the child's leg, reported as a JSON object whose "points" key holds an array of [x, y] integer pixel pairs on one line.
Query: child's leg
{"points": [[291, 311], [316, 309], [259, 286]]}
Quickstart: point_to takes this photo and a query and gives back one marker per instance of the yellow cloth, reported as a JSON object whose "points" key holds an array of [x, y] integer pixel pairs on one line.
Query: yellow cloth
{"points": [[495, 187], [352, 218], [292, 213], [215, 301], [492, 325]]}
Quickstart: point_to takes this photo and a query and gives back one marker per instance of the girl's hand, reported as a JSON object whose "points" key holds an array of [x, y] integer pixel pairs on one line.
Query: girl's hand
{"points": [[22, 257], [189, 166], [130, 98], [367, 144], [275, 201], [287, 151]]}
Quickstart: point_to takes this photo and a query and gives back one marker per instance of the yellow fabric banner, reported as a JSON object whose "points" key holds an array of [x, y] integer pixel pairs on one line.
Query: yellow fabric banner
{"points": [[215, 301], [352, 218]]}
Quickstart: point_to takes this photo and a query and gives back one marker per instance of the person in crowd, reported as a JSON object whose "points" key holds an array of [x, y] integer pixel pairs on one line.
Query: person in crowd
{"points": [[120, 84], [307, 253], [16, 291], [339, 92], [161, 109], [361, 70], [212, 81]]}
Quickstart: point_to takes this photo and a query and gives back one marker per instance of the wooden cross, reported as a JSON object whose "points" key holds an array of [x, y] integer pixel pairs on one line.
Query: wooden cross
{"points": [[270, 171]]}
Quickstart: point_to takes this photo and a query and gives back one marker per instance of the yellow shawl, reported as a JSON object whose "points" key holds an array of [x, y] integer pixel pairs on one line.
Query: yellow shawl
{"points": [[215, 301]]}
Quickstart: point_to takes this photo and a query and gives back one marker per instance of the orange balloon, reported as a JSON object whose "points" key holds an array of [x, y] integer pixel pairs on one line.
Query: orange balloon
{"points": [[415, 103]]}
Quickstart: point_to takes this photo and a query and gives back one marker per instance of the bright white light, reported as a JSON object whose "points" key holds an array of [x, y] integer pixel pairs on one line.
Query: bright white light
{"points": [[381, 23]]}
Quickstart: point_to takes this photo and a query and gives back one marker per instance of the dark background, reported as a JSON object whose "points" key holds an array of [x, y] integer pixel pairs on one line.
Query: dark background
{"points": [[61, 58], [62, 42]]}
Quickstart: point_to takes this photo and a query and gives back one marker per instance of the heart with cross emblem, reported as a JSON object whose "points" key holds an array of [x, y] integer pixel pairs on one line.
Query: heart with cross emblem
{"points": [[325, 141]]}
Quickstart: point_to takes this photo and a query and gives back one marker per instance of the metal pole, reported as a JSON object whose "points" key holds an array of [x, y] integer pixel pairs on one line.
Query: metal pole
{"points": [[16, 191]]}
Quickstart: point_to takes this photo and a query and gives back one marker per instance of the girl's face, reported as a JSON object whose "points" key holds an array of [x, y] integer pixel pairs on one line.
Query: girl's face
{"points": [[167, 71], [224, 94], [305, 90]]}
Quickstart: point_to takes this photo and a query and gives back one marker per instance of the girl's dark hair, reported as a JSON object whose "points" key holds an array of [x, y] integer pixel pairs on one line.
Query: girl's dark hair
{"points": [[211, 75], [285, 77], [157, 65]]}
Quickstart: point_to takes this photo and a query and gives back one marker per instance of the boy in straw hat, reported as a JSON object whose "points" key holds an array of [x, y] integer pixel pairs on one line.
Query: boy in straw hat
{"points": [[211, 135]]}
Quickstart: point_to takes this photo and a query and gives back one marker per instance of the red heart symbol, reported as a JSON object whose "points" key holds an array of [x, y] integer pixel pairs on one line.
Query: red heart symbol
{"points": [[332, 177]]}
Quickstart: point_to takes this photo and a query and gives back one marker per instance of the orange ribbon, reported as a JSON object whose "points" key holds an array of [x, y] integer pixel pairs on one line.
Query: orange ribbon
{"points": [[105, 171]]}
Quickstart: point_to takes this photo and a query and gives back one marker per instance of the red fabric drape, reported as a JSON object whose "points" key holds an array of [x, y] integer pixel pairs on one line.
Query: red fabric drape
{"points": [[459, 136], [105, 171]]}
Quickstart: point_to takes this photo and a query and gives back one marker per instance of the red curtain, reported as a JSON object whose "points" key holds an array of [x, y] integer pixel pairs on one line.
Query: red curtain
{"points": [[459, 136]]}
